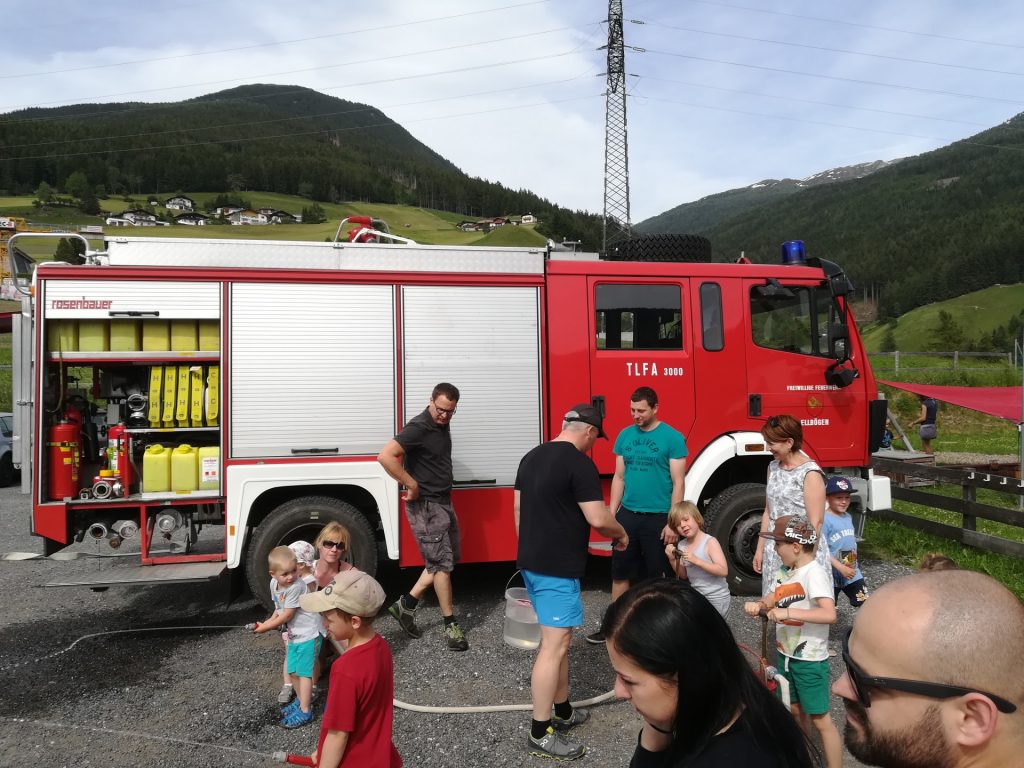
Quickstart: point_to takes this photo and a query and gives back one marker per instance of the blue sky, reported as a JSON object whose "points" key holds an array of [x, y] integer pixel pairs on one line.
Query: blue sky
{"points": [[722, 94]]}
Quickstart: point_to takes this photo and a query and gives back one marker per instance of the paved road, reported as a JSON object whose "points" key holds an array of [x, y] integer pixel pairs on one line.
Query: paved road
{"points": [[206, 697]]}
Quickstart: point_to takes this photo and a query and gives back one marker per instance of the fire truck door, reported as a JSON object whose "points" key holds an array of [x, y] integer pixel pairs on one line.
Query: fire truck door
{"points": [[786, 364], [640, 336]]}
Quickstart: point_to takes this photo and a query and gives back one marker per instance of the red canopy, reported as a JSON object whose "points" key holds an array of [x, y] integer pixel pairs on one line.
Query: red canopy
{"points": [[1004, 402]]}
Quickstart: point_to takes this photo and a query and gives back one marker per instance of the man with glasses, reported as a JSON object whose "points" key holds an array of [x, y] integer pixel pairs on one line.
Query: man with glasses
{"points": [[420, 458], [933, 674]]}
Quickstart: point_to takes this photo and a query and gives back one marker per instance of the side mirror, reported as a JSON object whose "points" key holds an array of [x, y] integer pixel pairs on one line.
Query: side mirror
{"points": [[841, 375], [839, 341]]}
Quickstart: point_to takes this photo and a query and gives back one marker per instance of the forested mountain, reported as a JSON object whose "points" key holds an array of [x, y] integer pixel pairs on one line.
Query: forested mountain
{"points": [[701, 215], [924, 229], [275, 138]]}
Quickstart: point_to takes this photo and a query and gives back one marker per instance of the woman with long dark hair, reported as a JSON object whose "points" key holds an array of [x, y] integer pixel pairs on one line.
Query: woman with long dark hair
{"points": [[677, 662]]}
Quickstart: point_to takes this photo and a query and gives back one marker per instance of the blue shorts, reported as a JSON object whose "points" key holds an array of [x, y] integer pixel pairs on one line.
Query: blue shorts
{"points": [[299, 661], [556, 599]]}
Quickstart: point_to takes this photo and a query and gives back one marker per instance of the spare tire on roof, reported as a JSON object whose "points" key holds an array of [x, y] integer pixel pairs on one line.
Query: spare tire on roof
{"points": [[680, 248]]}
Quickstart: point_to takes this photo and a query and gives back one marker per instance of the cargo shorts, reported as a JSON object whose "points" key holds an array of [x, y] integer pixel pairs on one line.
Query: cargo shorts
{"points": [[436, 530]]}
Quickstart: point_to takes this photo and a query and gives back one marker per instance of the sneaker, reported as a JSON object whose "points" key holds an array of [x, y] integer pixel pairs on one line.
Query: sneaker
{"points": [[555, 745], [406, 618], [832, 653], [578, 717], [297, 719], [286, 694], [292, 707], [595, 639], [313, 693], [456, 637]]}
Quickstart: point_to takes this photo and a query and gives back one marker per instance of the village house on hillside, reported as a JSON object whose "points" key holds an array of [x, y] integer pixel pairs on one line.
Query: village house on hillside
{"points": [[486, 225], [226, 210], [247, 216], [180, 203], [192, 219], [137, 216]]}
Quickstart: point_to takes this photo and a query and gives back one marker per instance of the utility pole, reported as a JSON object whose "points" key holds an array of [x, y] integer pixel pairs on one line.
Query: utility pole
{"points": [[616, 225]]}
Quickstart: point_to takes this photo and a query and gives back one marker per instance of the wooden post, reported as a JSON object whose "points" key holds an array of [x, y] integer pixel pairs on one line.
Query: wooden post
{"points": [[896, 361], [970, 494], [956, 360]]}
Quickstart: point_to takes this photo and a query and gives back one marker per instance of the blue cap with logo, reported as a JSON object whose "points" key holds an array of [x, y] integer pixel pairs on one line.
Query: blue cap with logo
{"points": [[838, 484]]}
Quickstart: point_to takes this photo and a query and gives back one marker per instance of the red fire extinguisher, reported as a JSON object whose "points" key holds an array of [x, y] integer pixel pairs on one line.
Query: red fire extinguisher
{"points": [[117, 454], [63, 444]]}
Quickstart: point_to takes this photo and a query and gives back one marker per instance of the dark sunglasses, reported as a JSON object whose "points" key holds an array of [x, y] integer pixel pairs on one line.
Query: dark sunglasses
{"points": [[339, 545], [862, 684]]}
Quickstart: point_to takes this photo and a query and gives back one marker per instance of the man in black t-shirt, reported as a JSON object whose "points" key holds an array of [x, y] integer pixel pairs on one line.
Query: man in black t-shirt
{"points": [[558, 498], [420, 458]]}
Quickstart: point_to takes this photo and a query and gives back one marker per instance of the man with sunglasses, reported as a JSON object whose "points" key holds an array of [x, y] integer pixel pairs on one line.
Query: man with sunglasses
{"points": [[933, 676], [420, 458]]}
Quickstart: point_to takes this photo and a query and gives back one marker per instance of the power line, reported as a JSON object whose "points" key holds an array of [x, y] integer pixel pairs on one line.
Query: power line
{"points": [[385, 27], [934, 35], [828, 49], [813, 101], [335, 113], [389, 124], [806, 121], [918, 89], [250, 78]]}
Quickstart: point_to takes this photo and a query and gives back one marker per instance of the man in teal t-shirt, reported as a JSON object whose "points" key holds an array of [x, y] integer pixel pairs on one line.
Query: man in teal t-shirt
{"points": [[650, 464]]}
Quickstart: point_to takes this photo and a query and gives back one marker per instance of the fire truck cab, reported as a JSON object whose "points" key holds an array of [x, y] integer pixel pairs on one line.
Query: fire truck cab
{"points": [[171, 384]]}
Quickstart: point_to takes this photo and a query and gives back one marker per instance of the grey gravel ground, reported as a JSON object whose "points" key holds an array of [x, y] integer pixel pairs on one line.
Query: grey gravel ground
{"points": [[207, 697]]}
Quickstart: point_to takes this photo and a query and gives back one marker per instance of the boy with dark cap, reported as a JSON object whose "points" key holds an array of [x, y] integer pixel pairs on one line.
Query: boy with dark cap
{"points": [[803, 607], [357, 723], [842, 542]]}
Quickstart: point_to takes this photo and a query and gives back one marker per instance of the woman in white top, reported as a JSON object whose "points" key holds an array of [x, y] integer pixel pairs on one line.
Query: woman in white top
{"points": [[796, 486]]}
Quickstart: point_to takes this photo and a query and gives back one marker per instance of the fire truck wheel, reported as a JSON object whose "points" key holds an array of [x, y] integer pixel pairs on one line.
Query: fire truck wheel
{"points": [[734, 518], [301, 520], [678, 248]]}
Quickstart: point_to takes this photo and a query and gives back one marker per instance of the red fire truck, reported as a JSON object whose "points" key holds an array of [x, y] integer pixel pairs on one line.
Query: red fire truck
{"points": [[170, 384]]}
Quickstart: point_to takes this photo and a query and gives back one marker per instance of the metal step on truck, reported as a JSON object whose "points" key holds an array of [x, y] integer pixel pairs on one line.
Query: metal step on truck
{"points": [[168, 385]]}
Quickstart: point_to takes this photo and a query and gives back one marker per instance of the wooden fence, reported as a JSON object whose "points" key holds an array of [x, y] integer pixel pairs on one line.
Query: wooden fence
{"points": [[966, 506]]}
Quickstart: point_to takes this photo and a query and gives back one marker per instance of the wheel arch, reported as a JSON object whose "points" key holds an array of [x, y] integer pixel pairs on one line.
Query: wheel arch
{"points": [[730, 459]]}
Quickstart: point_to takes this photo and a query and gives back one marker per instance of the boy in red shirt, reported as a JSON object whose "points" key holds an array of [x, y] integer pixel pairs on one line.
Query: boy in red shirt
{"points": [[356, 726]]}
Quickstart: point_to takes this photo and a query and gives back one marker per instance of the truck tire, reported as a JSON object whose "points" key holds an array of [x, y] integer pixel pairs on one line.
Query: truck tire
{"points": [[301, 520], [734, 518], [677, 248]]}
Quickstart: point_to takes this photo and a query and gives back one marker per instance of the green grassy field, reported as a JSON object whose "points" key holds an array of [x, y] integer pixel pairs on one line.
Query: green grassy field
{"points": [[977, 313], [419, 224]]}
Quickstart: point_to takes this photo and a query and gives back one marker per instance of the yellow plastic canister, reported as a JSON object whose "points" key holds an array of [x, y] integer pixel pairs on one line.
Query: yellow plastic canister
{"points": [[156, 469], [156, 336], [184, 336], [184, 469], [93, 336], [62, 336], [125, 336], [209, 335], [209, 468]]}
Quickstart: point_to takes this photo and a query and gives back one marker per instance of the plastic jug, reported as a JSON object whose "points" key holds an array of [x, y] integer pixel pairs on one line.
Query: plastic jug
{"points": [[209, 335], [184, 336], [209, 468], [93, 336], [156, 336], [156, 469], [184, 469], [62, 336], [125, 336]]}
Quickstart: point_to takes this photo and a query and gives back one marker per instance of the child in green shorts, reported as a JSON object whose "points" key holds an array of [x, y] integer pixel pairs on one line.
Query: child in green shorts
{"points": [[803, 606]]}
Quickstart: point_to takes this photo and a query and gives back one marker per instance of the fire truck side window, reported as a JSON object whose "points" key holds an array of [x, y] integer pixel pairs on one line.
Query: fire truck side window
{"points": [[712, 334], [639, 317], [791, 322]]}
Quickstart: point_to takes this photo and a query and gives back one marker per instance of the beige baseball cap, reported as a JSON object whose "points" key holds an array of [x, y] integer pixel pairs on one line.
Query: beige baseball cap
{"points": [[352, 591]]}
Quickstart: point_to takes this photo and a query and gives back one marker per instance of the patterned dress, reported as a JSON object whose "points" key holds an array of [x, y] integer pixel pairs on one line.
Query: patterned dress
{"points": [[786, 497]]}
